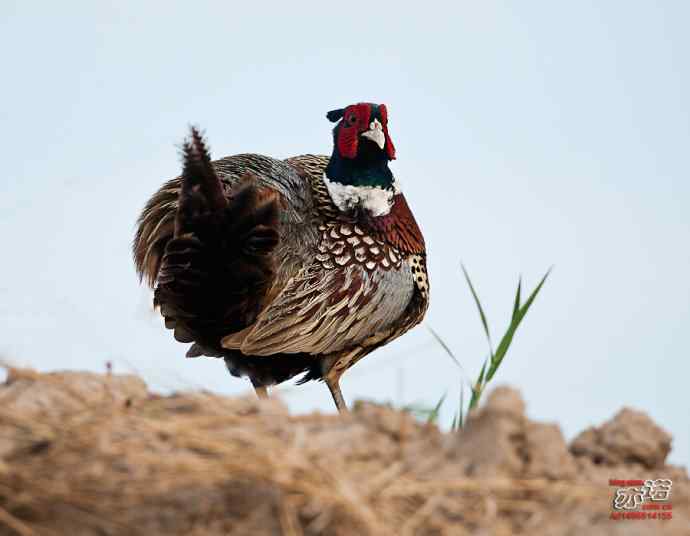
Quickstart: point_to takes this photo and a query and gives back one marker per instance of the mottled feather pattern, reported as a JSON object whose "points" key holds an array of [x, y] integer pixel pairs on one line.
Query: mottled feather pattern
{"points": [[324, 311], [344, 243]]}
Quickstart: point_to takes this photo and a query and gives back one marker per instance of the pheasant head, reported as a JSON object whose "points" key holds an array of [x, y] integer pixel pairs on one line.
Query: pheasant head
{"points": [[357, 174], [358, 126]]}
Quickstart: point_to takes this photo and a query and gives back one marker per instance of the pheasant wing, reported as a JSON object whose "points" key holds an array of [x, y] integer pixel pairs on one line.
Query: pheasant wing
{"points": [[325, 310]]}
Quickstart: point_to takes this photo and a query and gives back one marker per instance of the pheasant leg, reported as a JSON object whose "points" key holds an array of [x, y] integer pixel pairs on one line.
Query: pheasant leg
{"points": [[260, 390], [334, 386]]}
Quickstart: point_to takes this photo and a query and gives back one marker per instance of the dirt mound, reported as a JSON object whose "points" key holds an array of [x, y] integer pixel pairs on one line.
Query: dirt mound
{"points": [[97, 454]]}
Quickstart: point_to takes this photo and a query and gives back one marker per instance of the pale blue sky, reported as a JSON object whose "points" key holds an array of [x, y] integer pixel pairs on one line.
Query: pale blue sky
{"points": [[528, 134]]}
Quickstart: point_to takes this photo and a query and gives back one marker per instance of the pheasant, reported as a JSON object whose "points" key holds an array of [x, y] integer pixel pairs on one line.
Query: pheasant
{"points": [[287, 267]]}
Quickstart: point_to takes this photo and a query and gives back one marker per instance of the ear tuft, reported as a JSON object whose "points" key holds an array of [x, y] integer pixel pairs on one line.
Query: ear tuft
{"points": [[335, 115]]}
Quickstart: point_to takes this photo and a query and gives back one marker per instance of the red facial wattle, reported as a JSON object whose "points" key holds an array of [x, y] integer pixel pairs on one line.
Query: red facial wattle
{"points": [[390, 148], [355, 120]]}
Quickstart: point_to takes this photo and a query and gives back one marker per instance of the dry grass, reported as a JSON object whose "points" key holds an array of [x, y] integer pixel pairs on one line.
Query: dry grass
{"points": [[93, 454]]}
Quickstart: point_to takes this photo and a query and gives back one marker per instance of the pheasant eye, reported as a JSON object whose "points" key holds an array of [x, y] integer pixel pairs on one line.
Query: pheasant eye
{"points": [[353, 119]]}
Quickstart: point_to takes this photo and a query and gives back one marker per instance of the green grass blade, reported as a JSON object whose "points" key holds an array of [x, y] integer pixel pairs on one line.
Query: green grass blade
{"points": [[525, 307], [516, 305], [476, 394], [464, 377], [461, 420], [479, 307], [478, 387], [510, 332], [502, 348], [444, 346], [433, 416]]}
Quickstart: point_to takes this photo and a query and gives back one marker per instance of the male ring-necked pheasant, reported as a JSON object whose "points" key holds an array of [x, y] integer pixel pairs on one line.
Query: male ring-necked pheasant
{"points": [[284, 267]]}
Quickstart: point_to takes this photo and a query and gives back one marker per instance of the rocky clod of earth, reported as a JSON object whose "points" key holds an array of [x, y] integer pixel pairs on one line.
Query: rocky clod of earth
{"points": [[90, 454]]}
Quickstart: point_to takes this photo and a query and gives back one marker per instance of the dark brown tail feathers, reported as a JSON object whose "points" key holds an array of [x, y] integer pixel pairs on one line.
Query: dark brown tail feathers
{"points": [[217, 268]]}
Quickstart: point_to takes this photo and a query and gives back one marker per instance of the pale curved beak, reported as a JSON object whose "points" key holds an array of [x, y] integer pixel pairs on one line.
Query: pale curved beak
{"points": [[375, 133]]}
